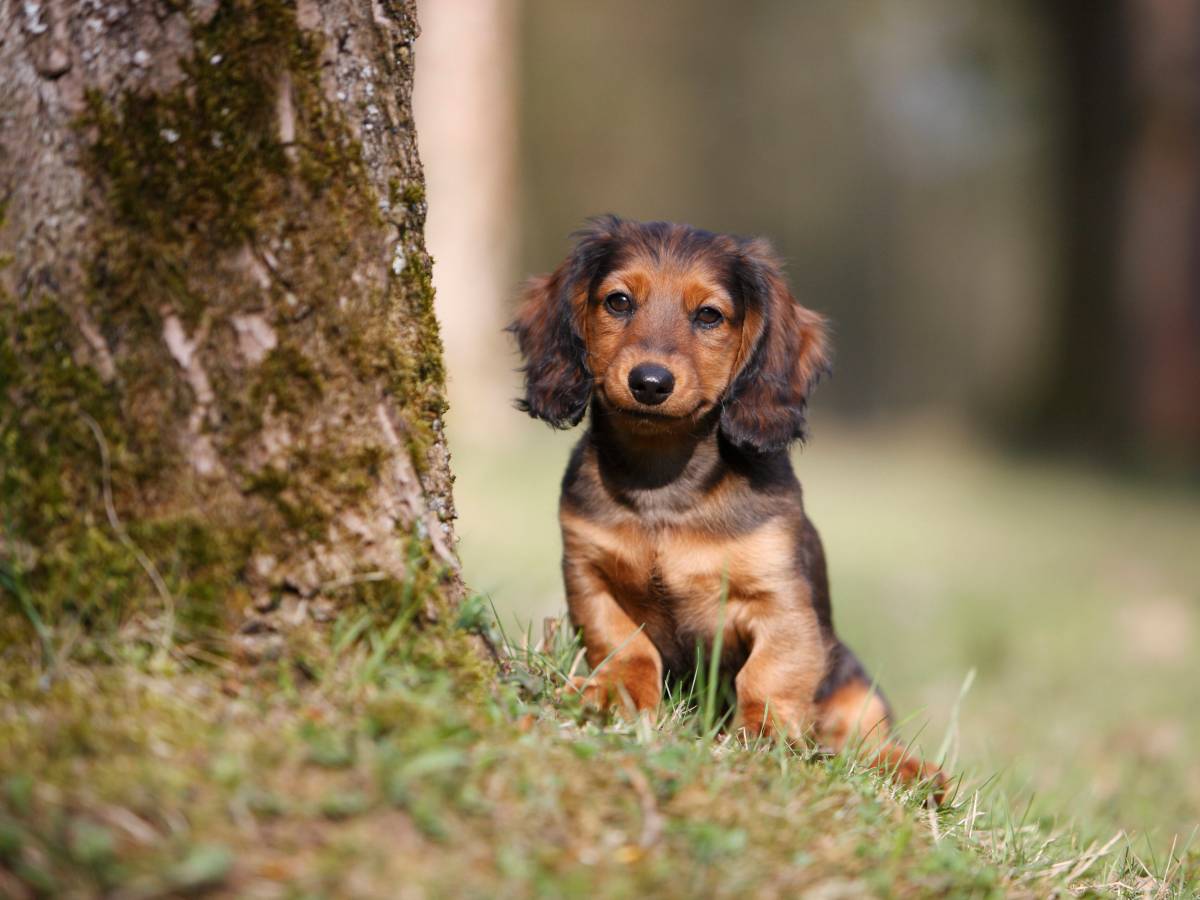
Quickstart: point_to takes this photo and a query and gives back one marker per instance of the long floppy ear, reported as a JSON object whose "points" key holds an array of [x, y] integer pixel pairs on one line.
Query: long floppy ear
{"points": [[549, 328], [784, 354]]}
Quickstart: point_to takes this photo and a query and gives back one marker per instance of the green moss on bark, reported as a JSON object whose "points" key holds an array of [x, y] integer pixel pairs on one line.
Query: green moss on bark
{"points": [[58, 537], [199, 165], [418, 375]]}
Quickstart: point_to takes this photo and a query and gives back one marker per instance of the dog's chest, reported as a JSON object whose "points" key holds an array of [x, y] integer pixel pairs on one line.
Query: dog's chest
{"points": [[696, 569], [680, 581]]}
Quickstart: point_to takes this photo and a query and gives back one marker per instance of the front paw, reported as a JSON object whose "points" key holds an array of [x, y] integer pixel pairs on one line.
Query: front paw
{"points": [[915, 772], [592, 691], [609, 694], [909, 769], [781, 721]]}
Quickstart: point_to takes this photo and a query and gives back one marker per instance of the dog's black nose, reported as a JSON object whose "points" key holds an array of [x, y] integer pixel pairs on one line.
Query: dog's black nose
{"points": [[651, 383]]}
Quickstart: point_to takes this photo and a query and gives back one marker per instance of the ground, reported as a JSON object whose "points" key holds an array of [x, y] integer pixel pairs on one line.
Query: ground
{"points": [[383, 760]]}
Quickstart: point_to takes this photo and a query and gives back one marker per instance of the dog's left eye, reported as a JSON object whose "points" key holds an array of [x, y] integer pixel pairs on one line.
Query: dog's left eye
{"points": [[708, 316], [618, 302]]}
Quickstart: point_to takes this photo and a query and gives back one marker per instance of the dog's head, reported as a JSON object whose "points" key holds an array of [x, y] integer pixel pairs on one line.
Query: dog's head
{"points": [[664, 324]]}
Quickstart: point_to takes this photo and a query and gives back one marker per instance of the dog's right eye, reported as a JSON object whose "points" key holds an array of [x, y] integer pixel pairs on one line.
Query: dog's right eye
{"points": [[618, 303]]}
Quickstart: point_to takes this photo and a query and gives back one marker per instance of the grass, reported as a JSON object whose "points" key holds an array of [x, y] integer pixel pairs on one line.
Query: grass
{"points": [[128, 774], [368, 763]]}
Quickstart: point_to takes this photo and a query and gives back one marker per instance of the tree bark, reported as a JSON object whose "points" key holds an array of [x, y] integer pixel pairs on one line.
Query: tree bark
{"points": [[465, 102], [1124, 370], [1159, 276], [1083, 392], [221, 381]]}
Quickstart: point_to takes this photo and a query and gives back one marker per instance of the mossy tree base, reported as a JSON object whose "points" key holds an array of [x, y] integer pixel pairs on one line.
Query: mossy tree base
{"points": [[220, 376]]}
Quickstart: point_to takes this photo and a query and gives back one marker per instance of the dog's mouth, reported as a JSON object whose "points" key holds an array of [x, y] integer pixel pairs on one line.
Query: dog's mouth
{"points": [[648, 416]]}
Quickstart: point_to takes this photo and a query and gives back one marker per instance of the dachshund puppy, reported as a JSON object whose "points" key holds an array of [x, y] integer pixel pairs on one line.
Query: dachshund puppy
{"points": [[680, 512]]}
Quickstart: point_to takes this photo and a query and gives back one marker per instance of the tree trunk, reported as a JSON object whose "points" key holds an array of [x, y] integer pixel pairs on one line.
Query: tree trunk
{"points": [[1124, 372], [1084, 393], [465, 102], [1159, 278], [221, 384]]}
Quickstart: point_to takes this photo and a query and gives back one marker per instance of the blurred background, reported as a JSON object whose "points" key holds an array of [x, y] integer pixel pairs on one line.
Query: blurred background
{"points": [[998, 206]]}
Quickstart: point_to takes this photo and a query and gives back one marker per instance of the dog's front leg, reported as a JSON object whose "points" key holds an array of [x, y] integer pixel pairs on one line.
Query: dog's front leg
{"points": [[776, 686], [626, 666]]}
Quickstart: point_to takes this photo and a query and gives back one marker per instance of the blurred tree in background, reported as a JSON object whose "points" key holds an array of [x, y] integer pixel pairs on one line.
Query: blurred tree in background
{"points": [[1124, 366]]}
